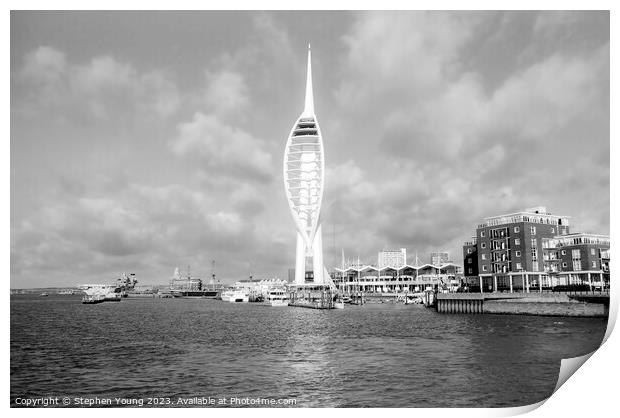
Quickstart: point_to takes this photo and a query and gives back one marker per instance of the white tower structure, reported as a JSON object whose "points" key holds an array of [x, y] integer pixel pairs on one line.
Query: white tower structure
{"points": [[304, 168]]}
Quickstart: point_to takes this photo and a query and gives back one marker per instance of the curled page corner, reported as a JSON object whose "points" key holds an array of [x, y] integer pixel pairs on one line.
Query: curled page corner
{"points": [[568, 367], [613, 313], [519, 410]]}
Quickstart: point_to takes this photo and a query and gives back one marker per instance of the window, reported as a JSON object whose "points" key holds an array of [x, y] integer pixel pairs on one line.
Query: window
{"points": [[470, 271], [483, 245], [553, 230], [576, 265], [534, 265], [469, 251], [592, 251], [533, 243], [484, 268], [519, 266], [482, 234], [518, 253], [577, 254], [517, 229], [484, 256], [533, 230], [564, 264], [517, 241], [469, 261], [563, 252], [594, 264]]}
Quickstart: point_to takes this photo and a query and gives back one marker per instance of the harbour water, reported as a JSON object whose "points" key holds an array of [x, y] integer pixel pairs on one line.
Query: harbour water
{"points": [[376, 355]]}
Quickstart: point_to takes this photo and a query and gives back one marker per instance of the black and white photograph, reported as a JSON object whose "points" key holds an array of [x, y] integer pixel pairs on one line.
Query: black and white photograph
{"points": [[307, 208]]}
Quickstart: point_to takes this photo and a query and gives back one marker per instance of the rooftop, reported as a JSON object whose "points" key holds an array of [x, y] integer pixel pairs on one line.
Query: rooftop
{"points": [[535, 215]]}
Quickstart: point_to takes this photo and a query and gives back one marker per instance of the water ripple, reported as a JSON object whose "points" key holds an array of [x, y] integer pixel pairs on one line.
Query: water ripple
{"points": [[383, 355]]}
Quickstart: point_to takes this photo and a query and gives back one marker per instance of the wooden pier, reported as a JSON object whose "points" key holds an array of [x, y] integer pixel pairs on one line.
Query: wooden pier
{"points": [[314, 296]]}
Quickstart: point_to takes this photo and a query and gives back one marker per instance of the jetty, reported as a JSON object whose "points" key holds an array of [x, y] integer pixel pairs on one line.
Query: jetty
{"points": [[314, 296]]}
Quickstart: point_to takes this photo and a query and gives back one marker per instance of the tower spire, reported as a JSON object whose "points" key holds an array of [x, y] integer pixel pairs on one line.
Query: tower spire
{"points": [[309, 104]]}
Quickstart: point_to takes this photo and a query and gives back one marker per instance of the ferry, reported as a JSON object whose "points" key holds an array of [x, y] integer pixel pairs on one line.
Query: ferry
{"points": [[239, 295], [236, 293], [277, 297], [226, 294]]}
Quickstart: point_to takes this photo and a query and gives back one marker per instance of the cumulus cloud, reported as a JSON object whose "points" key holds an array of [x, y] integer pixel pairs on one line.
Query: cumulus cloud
{"points": [[223, 149], [163, 226], [450, 149], [431, 122], [226, 92], [103, 88]]}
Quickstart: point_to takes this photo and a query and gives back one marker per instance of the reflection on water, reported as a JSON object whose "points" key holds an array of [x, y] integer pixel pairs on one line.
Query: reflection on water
{"points": [[380, 355]]}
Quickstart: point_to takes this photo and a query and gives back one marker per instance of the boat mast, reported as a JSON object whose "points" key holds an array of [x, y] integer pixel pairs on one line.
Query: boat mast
{"points": [[213, 272]]}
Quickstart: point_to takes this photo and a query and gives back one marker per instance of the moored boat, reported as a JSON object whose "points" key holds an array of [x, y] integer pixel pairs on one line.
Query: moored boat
{"points": [[239, 295], [315, 296], [92, 299], [277, 297], [97, 293]]}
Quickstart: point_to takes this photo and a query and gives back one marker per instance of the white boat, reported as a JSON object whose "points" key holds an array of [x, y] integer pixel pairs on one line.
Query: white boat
{"points": [[227, 294], [239, 295], [100, 292], [277, 297]]}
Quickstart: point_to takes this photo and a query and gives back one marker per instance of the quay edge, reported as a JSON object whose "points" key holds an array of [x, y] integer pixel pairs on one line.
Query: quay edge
{"points": [[579, 305]]}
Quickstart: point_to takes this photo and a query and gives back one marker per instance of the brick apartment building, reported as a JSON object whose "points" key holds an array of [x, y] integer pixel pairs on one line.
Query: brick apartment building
{"points": [[530, 250]]}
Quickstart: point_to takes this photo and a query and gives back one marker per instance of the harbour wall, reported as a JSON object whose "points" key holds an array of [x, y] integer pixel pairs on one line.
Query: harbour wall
{"points": [[546, 308], [523, 304]]}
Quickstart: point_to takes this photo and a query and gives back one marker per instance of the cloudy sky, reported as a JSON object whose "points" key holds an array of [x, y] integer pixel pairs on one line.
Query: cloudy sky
{"points": [[144, 141]]}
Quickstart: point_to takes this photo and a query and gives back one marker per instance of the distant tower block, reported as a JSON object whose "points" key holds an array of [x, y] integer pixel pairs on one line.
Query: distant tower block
{"points": [[304, 168]]}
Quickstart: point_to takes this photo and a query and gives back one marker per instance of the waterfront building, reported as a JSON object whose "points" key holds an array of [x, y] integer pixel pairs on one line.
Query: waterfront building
{"points": [[188, 283], [392, 258], [577, 259], [513, 252], [470, 259], [303, 169], [404, 278]]}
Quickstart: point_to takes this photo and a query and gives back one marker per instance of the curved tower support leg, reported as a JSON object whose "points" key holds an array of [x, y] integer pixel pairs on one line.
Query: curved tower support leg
{"points": [[317, 257], [300, 261]]}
